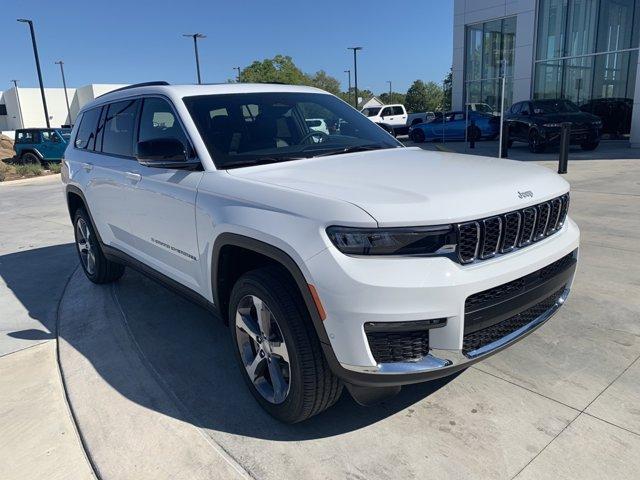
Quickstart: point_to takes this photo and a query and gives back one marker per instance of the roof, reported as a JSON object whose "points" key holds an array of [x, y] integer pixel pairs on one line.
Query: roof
{"points": [[179, 91]]}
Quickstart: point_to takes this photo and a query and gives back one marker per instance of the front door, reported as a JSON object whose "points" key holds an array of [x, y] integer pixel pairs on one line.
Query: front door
{"points": [[162, 205]]}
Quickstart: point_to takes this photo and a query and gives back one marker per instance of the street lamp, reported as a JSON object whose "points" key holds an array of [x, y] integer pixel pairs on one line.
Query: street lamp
{"points": [[238, 69], [64, 84], [35, 53], [389, 82], [355, 73], [348, 72], [15, 84], [195, 37]]}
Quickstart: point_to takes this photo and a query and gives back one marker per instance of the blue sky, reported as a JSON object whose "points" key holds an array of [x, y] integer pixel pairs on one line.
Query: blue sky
{"points": [[117, 41]]}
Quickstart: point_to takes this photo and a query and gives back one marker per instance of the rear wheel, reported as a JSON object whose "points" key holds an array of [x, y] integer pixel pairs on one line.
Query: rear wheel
{"points": [[536, 142], [277, 347], [418, 135], [28, 157], [473, 133], [95, 265]]}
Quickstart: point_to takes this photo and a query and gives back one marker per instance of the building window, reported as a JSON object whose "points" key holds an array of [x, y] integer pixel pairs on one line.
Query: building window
{"points": [[587, 52], [489, 54]]}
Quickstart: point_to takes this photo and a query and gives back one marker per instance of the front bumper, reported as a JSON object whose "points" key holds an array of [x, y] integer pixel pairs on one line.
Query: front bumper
{"points": [[591, 135], [412, 289]]}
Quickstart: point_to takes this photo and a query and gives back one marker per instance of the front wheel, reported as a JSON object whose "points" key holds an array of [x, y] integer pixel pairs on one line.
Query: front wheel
{"points": [[277, 347], [95, 265], [418, 136], [536, 142]]}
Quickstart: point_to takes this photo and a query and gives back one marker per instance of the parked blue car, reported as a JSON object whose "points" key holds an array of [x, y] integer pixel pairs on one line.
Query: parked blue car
{"points": [[480, 126], [36, 145]]}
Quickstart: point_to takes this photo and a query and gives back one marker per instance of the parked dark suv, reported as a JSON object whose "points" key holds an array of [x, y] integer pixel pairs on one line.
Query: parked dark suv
{"points": [[538, 122], [615, 114]]}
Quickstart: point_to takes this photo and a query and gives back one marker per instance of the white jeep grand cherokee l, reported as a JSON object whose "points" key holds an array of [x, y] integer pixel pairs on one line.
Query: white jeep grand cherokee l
{"points": [[337, 259]]}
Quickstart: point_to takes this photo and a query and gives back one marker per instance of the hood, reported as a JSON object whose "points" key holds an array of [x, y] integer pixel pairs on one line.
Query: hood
{"points": [[411, 186]]}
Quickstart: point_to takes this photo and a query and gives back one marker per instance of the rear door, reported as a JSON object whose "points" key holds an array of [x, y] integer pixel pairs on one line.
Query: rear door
{"points": [[399, 116], [162, 205]]}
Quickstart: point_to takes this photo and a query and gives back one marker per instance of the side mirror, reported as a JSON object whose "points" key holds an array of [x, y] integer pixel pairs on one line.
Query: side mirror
{"points": [[164, 153]]}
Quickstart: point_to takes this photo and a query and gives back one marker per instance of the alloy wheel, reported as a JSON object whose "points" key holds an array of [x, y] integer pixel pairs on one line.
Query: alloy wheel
{"points": [[262, 349], [83, 242]]}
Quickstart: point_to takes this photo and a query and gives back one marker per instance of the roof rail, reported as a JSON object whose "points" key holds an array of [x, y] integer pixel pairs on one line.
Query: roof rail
{"points": [[136, 85]]}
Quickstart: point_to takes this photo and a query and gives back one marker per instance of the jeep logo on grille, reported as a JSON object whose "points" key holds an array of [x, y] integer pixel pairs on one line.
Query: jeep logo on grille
{"points": [[526, 194]]}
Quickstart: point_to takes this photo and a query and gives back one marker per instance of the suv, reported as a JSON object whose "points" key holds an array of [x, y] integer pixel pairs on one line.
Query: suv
{"points": [[392, 118], [539, 122], [337, 260], [35, 145]]}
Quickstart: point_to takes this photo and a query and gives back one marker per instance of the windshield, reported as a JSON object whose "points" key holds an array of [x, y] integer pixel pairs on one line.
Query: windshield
{"points": [[253, 128], [554, 106], [371, 112], [484, 108]]}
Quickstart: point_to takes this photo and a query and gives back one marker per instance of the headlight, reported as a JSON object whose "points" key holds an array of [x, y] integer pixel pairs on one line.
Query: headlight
{"points": [[597, 123], [394, 241], [552, 125]]}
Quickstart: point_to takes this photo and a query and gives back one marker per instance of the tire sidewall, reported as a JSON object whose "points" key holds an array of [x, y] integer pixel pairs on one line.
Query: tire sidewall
{"points": [[29, 158], [250, 285], [81, 214]]}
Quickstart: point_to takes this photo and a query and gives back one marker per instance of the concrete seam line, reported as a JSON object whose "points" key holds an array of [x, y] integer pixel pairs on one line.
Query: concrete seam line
{"points": [[230, 459], [67, 401]]}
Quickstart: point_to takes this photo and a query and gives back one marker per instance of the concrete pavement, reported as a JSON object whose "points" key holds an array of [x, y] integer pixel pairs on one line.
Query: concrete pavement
{"points": [[156, 393]]}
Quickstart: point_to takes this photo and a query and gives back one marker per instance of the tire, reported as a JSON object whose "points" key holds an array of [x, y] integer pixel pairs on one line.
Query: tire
{"points": [[28, 158], [311, 386], [473, 134], [536, 144], [418, 136], [99, 269], [589, 146]]}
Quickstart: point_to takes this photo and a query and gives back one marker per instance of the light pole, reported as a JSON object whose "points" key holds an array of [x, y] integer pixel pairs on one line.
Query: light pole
{"points": [[15, 84], [64, 84], [195, 37], [35, 53], [355, 73], [389, 82], [348, 72], [238, 69]]}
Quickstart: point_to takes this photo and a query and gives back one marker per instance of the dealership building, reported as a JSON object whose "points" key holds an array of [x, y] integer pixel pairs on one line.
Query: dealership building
{"points": [[585, 51]]}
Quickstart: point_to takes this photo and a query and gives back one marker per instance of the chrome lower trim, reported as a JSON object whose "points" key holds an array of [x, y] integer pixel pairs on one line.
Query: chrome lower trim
{"points": [[440, 359]]}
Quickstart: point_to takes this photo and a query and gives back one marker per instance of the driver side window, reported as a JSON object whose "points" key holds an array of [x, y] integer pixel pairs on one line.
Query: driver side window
{"points": [[158, 120], [386, 112]]}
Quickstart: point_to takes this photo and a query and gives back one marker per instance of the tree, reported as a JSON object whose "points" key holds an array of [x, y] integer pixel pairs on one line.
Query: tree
{"points": [[395, 97], [279, 69], [423, 97], [322, 80]]}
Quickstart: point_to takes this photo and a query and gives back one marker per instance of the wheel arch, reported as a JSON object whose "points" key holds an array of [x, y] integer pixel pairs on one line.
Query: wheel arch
{"points": [[31, 150], [229, 248], [75, 200]]}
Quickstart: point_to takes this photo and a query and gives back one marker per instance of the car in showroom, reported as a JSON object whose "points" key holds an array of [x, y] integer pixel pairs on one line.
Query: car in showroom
{"points": [[456, 126], [337, 260], [615, 114], [40, 145], [539, 122]]}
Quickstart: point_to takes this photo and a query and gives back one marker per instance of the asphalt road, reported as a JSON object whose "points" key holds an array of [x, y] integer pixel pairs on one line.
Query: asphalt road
{"points": [[156, 393]]}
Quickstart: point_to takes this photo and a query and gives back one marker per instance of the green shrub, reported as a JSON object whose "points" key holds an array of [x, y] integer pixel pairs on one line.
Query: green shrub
{"points": [[29, 170], [54, 167]]}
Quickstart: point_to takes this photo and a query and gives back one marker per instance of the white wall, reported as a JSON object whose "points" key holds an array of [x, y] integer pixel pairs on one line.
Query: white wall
{"points": [[466, 12]]}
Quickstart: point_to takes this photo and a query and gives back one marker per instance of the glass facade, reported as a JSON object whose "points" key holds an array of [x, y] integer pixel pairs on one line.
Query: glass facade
{"points": [[587, 52], [489, 53]]}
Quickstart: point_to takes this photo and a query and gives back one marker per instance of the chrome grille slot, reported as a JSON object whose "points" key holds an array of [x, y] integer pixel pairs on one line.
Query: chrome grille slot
{"points": [[511, 228], [554, 216], [491, 232], [563, 211], [468, 241], [529, 216], [544, 210]]}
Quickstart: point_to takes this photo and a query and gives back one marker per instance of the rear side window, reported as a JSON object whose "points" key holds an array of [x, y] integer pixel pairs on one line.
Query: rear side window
{"points": [[118, 128], [386, 112], [515, 109], [25, 137], [398, 110], [158, 120], [85, 138]]}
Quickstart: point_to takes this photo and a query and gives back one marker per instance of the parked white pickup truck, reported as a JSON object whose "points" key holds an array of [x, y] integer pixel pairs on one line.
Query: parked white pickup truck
{"points": [[394, 118]]}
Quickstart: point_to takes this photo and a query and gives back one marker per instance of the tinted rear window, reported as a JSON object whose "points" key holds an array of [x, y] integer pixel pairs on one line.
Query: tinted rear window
{"points": [[85, 138], [118, 128]]}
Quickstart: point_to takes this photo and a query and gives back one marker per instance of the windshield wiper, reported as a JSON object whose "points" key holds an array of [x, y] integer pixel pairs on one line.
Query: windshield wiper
{"points": [[354, 148], [257, 161]]}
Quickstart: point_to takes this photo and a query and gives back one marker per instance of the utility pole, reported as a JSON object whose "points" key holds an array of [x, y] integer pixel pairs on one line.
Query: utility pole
{"points": [[238, 77], [195, 37], [355, 74], [64, 84], [35, 53], [389, 82], [348, 72], [15, 84]]}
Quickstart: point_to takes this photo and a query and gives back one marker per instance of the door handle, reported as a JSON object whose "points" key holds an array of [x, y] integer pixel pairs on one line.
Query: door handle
{"points": [[87, 167], [134, 177]]}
